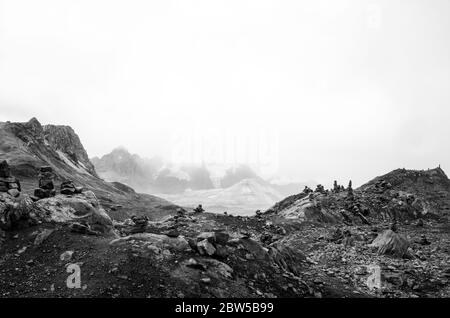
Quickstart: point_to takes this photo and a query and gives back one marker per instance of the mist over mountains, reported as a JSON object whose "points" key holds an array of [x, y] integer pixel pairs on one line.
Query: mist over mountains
{"points": [[158, 175], [238, 189]]}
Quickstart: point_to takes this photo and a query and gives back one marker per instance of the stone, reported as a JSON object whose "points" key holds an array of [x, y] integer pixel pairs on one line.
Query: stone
{"points": [[42, 193], [172, 233], [221, 237], [5, 171], [46, 169], [82, 209], [67, 191], [14, 193], [206, 248], [46, 184], [391, 243], [66, 256], [42, 236], [79, 190], [195, 264], [210, 236]]}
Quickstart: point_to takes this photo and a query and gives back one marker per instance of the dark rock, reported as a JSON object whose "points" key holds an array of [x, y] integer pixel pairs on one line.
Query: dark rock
{"points": [[46, 169], [5, 171], [42, 193], [67, 191], [221, 237], [206, 248], [172, 233], [79, 190], [46, 184]]}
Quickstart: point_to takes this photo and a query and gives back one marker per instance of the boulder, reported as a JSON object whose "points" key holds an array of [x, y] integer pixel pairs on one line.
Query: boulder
{"points": [[68, 191], [206, 248], [46, 184], [46, 169], [221, 237], [79, 208], [14, 192], [42, 236], [68, 188], [391, 243], [43, 193]]}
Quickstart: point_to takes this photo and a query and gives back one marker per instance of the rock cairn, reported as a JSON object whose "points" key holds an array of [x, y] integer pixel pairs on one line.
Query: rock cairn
{"points": [[199, 209], [139, 223], [46, 187], [320, 188], [307, 190], [8, 183], [68, 188]]}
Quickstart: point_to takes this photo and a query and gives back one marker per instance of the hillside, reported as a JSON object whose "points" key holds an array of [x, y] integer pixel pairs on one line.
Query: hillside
{"points": [[28, 146]]}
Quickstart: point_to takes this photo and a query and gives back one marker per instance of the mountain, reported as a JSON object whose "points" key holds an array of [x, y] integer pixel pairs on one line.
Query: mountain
{"points": [[151, 175], [121, 166], [242, 198], [28, 146], [236, 174]]}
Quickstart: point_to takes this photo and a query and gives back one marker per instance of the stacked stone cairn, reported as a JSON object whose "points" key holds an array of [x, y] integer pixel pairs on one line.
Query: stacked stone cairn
{"points": [[140, 224], [307, 190], [68, 188], [8, 183], [320, 188], [46, 187], [199, 209]]}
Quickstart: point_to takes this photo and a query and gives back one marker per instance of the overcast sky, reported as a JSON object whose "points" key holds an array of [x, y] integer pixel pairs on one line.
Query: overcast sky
{"points": [[319, 90]]}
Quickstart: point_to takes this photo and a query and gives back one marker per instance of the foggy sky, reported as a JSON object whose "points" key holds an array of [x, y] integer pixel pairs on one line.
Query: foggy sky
{"points": [[334, 89]]}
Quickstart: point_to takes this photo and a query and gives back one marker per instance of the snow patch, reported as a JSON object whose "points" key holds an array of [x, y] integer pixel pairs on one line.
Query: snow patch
{"points": [[69, 162]]}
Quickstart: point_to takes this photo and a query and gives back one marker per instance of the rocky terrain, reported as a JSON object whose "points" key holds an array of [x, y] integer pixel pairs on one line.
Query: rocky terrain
{"points": [[29, 146], [388, 238]]}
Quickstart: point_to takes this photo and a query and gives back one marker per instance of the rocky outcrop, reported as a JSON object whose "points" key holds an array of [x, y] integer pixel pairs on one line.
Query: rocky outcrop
{"points": [[81, 208], [391, 243], [399, 195], [64, 139]]}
